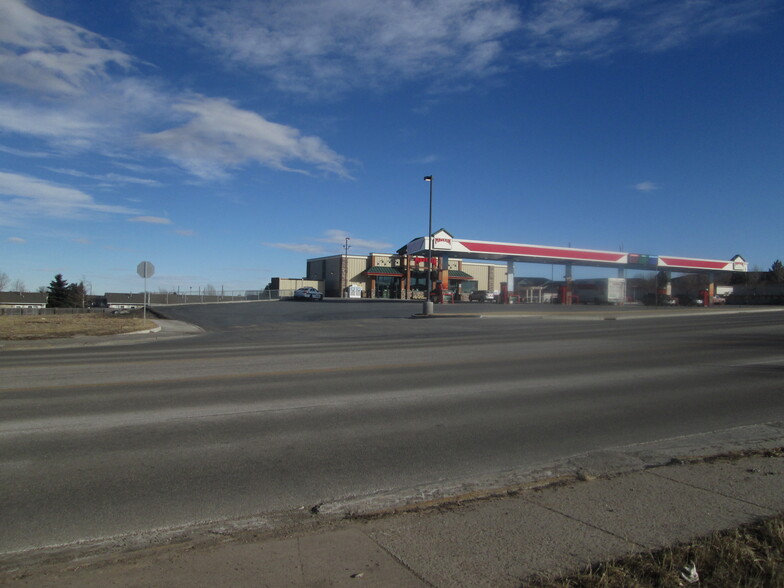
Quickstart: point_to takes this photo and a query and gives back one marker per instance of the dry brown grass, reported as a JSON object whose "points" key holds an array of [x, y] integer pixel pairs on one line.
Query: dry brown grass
{"points": [[751, 557], [16, 328]]}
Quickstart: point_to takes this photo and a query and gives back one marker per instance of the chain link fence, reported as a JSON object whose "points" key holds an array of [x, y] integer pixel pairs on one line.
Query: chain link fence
{"points": [[114, 302]]}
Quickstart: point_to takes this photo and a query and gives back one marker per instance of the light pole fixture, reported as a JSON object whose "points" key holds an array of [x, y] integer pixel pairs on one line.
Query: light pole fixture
{"points": [[428, 306], [344, 279]]}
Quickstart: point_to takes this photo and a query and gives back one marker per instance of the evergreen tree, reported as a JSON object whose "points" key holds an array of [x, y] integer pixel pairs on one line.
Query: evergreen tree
{"points": [[776, 272], [76, 295], [64, 295]]}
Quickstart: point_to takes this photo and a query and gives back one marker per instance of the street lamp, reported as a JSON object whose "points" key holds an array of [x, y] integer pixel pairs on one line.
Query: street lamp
{"points": [[344, 277], [428, 306]]}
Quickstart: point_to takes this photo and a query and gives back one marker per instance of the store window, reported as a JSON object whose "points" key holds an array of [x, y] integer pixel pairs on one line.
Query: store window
{"points": [[387, 287]]}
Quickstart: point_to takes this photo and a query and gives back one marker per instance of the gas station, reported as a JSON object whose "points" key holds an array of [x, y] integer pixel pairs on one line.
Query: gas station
{"points": [[443, 246]]}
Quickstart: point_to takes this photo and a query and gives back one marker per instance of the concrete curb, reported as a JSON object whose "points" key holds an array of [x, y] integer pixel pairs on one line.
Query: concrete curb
{"points": [[144, 332], [603, 463]]}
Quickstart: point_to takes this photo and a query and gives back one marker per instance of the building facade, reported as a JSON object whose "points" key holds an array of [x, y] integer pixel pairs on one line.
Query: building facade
{"points": [[402, 277]]}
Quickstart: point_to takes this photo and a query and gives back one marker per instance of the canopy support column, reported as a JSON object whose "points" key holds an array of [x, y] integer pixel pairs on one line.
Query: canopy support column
{"points": [[510, 289]]}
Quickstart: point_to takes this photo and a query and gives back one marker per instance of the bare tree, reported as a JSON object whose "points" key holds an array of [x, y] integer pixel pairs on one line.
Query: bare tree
{"points": [[4, 279], [210, 290], [18, 286]]}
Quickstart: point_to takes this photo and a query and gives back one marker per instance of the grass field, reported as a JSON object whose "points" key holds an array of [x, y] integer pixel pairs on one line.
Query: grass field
{"points": [[25, 327]]}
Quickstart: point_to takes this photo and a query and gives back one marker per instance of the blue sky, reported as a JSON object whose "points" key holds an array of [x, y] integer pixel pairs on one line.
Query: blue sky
{"points": [[227, 141]]}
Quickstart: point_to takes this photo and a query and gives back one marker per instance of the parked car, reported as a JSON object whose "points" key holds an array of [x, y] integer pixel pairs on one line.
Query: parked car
{"points": [[308, 293], [687, 300], [481, 296]]}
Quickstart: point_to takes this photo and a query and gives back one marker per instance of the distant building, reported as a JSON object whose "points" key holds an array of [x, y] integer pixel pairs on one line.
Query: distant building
{"points": [[23, 300]]}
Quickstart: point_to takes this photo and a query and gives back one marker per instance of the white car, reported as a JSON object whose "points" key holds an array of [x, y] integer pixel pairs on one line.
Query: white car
{"points": [[308, 293]]}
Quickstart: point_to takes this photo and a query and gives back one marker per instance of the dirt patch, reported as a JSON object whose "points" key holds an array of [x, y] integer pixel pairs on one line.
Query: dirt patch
{"points": [[53, 326]]}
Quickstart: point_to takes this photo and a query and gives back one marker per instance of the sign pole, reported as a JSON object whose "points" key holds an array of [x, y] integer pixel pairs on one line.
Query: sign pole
{"points": [[145, 270]]}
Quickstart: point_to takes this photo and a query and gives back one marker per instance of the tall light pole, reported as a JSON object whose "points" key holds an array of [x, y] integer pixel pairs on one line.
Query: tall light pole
{"points": [[428, 306], [344, 293]]}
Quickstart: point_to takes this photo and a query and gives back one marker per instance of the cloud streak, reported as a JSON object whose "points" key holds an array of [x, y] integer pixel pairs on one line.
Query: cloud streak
{"points": [[48, 55], [81, 95], [110, 177], [25, 196], [646, 187], [336, 237], [336, 45], [297, 247], [333, 46], [339, 236], [152, 220], [556, 33], [219, 136]]}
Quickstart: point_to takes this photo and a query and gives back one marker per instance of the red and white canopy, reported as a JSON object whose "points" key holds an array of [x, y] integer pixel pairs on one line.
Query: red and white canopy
{"points": [[446, 244]]}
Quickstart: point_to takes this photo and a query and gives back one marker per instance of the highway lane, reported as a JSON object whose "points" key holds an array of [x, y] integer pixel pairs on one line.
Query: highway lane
{"points": [[281, 415]]}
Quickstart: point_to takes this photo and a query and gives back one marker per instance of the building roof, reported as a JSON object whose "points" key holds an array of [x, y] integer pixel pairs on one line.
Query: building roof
{"points": [[378, 270], [23, 298]]}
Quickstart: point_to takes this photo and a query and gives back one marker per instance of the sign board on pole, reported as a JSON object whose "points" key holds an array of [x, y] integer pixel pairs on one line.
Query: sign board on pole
{"points": [[145, 270]]}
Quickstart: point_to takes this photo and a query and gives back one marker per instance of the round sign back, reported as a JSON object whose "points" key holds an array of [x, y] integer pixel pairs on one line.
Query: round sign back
{"points": [[145, 269]]}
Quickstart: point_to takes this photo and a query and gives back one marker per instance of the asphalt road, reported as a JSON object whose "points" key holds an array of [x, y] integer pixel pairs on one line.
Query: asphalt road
{"points": [[287, 405]]}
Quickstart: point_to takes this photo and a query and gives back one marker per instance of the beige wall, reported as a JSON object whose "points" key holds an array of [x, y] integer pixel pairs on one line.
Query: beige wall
{"points": [[291, 284], [481, 273], [356, 269]]}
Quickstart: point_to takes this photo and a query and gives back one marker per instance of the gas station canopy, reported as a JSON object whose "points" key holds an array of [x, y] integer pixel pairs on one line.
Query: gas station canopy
{"points": [[445, 244]]}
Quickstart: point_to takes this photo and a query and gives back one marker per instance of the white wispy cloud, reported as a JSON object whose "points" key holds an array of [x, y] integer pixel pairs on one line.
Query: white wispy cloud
{"points": [[24, 153], [110, 177], [153, 220], [186, 232], [560, 32], [46, 122], [335, 45], [24, 196], [332, 46], [339, 236], [85, 95], [336, 237], [645, 187], [18, 240], [298, 247], [49, 55], [220, 136]]}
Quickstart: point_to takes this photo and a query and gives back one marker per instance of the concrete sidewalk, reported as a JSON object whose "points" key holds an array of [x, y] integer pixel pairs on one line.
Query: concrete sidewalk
{"points": [[594, 507]]}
